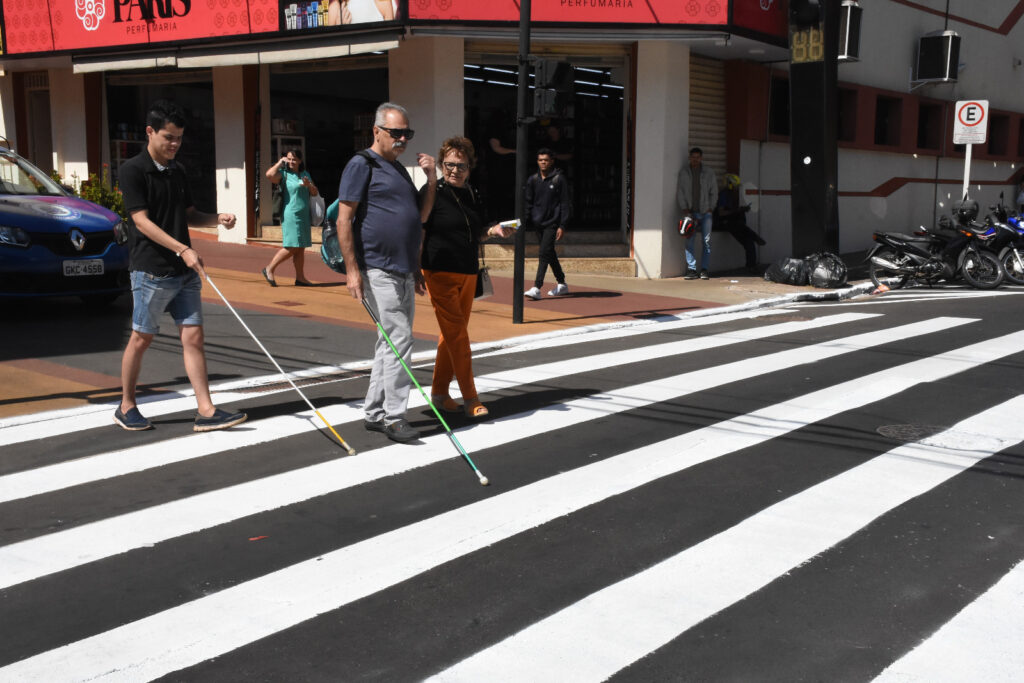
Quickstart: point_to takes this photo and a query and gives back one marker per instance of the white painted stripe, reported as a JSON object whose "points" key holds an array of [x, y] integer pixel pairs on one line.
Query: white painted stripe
{"points": [[982, 643], [902, 298], [609, 331], [210, 626], [718, 572], [20, 428], [35, 557], [92, 468], [136, 459], [547, 371], [75, 420]]}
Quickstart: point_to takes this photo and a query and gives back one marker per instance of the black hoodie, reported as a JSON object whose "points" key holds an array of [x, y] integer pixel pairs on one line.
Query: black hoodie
{"points": [[547, 200]]}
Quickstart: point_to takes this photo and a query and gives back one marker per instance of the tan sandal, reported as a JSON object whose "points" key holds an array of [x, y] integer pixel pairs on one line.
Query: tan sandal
{"points": [[445, 403], [476, 410]]}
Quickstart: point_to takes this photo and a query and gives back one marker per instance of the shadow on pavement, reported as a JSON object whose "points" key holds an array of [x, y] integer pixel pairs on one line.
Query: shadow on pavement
{"points": [[55, 327]]}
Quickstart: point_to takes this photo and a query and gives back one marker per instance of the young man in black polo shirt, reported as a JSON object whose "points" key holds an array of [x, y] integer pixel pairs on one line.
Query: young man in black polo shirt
{"points": [[166, 271]]}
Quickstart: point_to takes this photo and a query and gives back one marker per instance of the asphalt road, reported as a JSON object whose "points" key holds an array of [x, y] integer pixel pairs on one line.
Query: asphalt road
{"points": [[817, 492]]}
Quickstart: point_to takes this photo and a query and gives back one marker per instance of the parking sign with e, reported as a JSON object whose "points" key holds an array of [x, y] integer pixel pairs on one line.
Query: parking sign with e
{"points": [[970, 125]]}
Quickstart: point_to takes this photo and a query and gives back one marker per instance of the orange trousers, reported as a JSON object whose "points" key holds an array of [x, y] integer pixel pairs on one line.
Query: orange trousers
{"points": [[451, 294]]}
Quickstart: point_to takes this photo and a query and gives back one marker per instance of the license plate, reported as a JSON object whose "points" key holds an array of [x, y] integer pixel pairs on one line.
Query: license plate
{"points": [[83, 267]]}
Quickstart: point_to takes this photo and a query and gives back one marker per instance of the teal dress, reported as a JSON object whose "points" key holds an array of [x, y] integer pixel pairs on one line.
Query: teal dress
{"points": [[295, 228]]}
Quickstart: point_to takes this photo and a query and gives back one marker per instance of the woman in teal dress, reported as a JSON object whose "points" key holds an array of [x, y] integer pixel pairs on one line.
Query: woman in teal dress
{"points": [[296, 189]]}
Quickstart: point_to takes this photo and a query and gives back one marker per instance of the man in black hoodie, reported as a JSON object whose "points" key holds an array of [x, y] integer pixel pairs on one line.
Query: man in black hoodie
{"points": [[547, 210]]}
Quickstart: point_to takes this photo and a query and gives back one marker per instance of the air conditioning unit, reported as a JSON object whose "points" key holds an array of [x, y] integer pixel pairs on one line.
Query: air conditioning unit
{"points": [[849, 31], [938, 57]]}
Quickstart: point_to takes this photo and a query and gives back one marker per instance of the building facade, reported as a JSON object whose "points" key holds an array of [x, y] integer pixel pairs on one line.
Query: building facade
{"points": [[646, 81]]}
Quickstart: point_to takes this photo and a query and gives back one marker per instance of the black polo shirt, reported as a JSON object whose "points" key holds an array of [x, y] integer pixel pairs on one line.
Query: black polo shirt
{"points": [[165, 195]]}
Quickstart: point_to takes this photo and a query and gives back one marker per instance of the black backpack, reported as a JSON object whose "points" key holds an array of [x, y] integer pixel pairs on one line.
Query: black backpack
{"points": [[330, 248]]}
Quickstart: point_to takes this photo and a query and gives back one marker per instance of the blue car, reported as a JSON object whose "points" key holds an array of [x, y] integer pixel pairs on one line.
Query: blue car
{"points": [[53, 243]]}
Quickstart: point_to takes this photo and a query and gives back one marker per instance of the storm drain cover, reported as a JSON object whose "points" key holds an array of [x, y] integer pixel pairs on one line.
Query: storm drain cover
{"points": [[936, 436], [910, 433]]}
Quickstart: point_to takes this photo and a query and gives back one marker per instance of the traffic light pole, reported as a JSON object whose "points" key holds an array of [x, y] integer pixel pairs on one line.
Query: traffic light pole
{"points": [[522, 122], [813, 105]]}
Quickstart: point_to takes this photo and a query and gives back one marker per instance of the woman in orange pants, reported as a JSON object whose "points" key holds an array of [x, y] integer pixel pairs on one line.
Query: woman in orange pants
{"points": [[451, 241]]}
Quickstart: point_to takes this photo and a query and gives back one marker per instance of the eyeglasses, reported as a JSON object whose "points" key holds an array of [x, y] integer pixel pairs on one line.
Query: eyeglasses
{"points": [[451, 166], [398, 133]]}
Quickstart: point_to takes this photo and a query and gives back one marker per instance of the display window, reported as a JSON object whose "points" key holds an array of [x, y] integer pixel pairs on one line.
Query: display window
{"points": [[129, 95], [582, 123], [326, 111]]}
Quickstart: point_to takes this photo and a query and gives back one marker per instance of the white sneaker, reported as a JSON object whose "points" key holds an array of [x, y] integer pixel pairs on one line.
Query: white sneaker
{"points": [[532, 293], [559, 290]]}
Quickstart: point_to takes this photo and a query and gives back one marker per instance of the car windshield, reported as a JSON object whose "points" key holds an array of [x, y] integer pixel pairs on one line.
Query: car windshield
{"points": [[17, 176]]}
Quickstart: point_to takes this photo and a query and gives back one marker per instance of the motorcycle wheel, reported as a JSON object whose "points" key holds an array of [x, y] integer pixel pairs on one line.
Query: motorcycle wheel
{"points": [[1014, 268], [982, 270], [878, 273]]}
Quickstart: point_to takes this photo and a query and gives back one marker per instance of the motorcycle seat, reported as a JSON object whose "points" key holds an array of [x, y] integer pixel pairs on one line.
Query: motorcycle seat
{"points": [[903, 237]]}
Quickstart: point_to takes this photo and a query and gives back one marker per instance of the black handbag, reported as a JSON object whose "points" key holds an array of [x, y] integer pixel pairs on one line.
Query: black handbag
{"points": [[484, 286]]}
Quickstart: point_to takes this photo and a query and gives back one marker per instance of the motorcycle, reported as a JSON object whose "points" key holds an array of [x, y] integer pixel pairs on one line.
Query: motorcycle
{"points": [[956, 249], [1009, 242]]}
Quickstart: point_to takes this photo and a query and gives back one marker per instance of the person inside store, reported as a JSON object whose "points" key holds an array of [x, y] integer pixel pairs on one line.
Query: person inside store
{"points": [[501, 164], [455, 226], [166, 272], [382, 259], [297, 186], [557, 143], [1020, 195], [547, 210], [341, 12], [697, 196], [730, 216]]}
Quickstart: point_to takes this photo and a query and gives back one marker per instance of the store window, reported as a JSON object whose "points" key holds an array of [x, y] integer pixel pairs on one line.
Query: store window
{"points": [[999, 135], [128, 97], [325, 109], [888, 118], [583, 126], [846, 130], [929, 126], [40, 132]]}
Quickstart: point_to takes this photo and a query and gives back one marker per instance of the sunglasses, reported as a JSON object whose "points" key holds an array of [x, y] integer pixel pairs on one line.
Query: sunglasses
{"points": [[398, 133], [451, 166]]}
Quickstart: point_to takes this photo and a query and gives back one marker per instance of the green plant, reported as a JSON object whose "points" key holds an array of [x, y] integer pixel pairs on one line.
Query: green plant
{"points": [[97, 189]]}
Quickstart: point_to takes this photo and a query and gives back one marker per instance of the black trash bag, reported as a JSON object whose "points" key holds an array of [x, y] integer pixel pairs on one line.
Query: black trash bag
{"points": [[827, 270], [788, 271]]}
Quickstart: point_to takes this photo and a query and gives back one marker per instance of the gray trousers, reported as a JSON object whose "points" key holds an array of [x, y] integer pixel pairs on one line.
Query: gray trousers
{"points": [[392, 296]]}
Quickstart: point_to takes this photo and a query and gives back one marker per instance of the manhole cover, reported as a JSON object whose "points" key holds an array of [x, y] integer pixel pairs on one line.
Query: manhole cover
{"points": [[909, 433], [789, 318], [934, 436], [304, 382]]}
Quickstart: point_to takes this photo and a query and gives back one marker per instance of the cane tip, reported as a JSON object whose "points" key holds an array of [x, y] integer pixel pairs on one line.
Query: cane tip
{"points": [[351, 451], [484, 481]]}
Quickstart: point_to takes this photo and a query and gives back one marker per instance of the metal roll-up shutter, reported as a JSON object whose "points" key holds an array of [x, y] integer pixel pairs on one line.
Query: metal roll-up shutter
{"points": [[707, 110]]}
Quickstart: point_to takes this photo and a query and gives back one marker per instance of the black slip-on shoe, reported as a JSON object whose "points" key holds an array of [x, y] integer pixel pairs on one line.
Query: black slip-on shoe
{"points": [[221, 419], [133, 420]]}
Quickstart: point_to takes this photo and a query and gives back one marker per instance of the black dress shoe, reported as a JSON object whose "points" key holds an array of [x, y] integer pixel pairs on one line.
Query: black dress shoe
{"points": [[268, 278]]}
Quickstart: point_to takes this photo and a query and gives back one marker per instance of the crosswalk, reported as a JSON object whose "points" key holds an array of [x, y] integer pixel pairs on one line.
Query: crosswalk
{"points": [[655, 489]]}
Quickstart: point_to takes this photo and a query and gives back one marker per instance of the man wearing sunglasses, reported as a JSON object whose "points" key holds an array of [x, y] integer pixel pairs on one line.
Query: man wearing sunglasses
{"points": [[379, 232]]}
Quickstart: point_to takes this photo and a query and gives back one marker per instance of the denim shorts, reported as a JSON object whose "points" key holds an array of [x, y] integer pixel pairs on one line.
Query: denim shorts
{"points": [[179, 295]]}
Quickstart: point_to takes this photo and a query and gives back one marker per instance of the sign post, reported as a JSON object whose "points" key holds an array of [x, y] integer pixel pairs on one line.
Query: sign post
{"points": [[970, 127]]}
